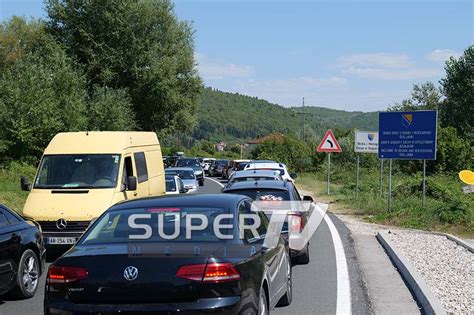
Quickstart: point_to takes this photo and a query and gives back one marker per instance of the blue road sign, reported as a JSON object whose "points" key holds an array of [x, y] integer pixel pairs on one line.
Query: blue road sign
{"points": [[407, 135]]}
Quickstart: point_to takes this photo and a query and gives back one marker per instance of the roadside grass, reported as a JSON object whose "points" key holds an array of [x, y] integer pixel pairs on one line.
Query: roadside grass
{"points": [[10, 193], [447, 208]]}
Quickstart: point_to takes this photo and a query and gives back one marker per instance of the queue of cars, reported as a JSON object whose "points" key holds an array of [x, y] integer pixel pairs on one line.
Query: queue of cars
{"points": [[91, 202]]}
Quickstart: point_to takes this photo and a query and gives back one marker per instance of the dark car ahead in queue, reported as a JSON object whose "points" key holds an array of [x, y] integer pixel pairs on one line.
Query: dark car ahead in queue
{"points": [[195, 165], [282, 190], [107, 272], [22, 255]]}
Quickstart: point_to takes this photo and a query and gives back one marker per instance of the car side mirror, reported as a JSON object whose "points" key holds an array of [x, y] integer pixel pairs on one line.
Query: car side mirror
{"points": [[131, 183], [308, 198], [293, 175], [24, 183]]}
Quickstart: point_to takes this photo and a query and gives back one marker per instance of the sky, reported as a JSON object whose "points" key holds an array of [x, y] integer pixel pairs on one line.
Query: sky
{"points": [[342, 54]]}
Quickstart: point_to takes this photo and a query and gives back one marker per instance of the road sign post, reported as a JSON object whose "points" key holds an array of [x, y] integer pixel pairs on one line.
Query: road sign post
{"points": [[364, 142], [389, 185], [328, 183], [424, 184], [357, 176], [381, 178], [408, 136], [329, 144]]}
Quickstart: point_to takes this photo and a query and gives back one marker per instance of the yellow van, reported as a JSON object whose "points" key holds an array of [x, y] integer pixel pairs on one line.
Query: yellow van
{"points": [[82, 174]]}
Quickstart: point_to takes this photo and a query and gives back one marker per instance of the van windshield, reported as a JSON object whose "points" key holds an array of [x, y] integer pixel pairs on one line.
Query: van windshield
{"points": [[78, 171]]}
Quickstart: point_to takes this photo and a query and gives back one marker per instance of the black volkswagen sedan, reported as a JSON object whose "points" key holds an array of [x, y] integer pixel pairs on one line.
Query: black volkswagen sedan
{"points": [[186, 254], [22, 254]]}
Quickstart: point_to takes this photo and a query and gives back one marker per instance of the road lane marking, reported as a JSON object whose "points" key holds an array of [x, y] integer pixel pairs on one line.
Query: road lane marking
{"points": [[343, 304], [215, 181]]}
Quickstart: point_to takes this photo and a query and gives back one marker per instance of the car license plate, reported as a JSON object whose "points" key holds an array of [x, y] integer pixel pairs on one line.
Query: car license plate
{"points": [[61, 240]]}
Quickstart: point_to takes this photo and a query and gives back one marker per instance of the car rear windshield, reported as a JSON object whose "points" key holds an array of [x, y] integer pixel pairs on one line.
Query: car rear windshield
{"points": [[243, 179], [78, 171], [113, 226], [183, 174], [188, 163], [263, 194]]}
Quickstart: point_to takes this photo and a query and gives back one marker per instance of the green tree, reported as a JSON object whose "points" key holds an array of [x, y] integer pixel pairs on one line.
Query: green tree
{"points": [[110, 109], [291, 151], [140, 46], [458, 108], [424, 96], [38, 100]]}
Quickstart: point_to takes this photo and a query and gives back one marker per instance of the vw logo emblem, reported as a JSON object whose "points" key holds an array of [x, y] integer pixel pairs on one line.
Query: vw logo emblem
{"points": [[61, 224], [130, 273]]}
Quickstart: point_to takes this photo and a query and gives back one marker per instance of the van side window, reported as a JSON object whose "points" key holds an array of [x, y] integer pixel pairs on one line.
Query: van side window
{"points": [[140, 163], [128, 168]]}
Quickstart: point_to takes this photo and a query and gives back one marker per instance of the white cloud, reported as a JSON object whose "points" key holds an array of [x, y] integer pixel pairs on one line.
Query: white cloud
{"points": [[384, 66], [393, 74], [216, 69], [385, 60], [441, 55]]}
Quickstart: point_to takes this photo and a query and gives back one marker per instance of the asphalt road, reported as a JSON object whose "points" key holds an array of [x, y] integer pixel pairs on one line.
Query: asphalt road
{"points": [[329, 284]]}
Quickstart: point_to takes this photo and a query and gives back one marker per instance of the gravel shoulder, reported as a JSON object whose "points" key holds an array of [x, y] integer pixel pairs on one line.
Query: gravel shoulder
{"points": [[446, 267]]}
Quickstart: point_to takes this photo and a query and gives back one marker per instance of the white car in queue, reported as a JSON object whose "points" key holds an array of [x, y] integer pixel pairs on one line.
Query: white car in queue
{"points": [[206, 163], [174, 185], [272, 166], [254, 175], [186, 174]]}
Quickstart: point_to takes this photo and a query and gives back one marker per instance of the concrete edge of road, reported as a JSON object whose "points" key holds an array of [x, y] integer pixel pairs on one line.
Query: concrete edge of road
{"points": [[422, 293]]}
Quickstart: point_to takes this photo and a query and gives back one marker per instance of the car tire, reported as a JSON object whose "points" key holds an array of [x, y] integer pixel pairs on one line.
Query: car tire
{"points": [[286, 299], [263, 303], [201, 183], [303, 258], [27, 278]]}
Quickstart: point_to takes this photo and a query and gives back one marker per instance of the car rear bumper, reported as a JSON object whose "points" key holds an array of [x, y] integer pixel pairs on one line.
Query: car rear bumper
{"points": [[223, 305]]}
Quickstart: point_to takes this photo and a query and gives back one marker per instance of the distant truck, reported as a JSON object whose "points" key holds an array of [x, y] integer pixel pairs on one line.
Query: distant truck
{"points": [[82, 174]]}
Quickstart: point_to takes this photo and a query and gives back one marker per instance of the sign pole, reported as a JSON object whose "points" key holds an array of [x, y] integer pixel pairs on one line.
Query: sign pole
{"points": [[381, 178], [424, 184], [389, 185], [357, 176], [329, 171]]}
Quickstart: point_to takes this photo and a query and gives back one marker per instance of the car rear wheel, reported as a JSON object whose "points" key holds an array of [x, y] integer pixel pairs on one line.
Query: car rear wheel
{"points": [[286, 299], [262, 303], [27, 276]]}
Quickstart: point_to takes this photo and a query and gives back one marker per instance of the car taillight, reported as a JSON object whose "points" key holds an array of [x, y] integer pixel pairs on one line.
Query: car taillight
{"points": [[62, 275], [296, 223], [212, 272]]}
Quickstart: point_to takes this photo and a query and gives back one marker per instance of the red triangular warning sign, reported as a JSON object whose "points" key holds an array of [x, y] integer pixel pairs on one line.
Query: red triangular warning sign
{"points": [[329, 143]]}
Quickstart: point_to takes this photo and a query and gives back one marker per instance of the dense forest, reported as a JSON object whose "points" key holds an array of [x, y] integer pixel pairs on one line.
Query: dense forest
{"points": [[227, 116]]}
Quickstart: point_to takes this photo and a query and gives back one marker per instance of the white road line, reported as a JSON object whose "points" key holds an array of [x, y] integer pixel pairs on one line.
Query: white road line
{"points": [[215, 181], [343, 304]]}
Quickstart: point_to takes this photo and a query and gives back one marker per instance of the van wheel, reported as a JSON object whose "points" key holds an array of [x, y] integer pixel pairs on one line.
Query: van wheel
{"points": [[27, 276]]}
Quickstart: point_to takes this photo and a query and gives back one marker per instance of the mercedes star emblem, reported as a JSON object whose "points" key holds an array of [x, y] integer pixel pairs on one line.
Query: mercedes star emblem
{"points": [[61, 224]]}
